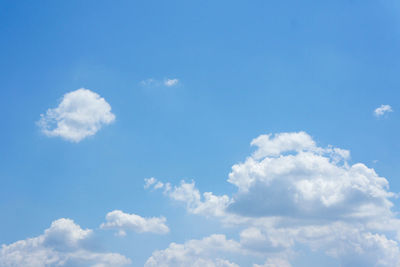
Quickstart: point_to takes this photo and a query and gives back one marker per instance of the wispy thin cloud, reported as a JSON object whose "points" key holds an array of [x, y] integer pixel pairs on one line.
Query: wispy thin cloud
{"points": [[167, 82]]}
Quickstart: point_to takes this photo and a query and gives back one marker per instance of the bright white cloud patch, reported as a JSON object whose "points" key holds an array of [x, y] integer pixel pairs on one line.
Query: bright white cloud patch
{"points": [[292, 192], [283, 142], [63, 244], [123, 221], [80, 114], [171, 82], [382, 110], [307, 183]]}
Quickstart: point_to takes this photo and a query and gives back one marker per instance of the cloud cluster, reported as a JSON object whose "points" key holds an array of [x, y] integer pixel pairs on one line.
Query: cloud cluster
{"points": [[123, 221], [382, 110], [63, 244], [80, 114], [291, 193]]}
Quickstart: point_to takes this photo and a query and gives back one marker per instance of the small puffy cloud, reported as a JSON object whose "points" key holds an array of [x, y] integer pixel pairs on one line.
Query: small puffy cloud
{"points": [[80, 114], [197, 253], [149, 182], [171, 82], [63, 244], [123, 221], [149, 82], [382, 110], [206, 204], [152, 182]]}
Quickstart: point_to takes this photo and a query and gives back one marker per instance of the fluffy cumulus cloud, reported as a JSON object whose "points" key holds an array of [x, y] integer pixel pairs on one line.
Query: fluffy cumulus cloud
{"points": [[292, 193], [307, 182], [80, 114], [63, 244], [382, 110], [196, 253], [123, 221], [206, 204]]}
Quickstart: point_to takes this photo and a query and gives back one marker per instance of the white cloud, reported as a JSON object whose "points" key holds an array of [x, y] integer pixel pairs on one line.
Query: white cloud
{"points": [[123, 221], [63, 244], [292, 192], [168, 82], [282, 142], [80, 114], [171, 82], [197, 253], [149, 182], [304, 183], [382, 110], [207, 204]]}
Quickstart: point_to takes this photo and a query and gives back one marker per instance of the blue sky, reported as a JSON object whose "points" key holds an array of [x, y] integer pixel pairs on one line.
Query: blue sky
{"points": [[177, 91]]}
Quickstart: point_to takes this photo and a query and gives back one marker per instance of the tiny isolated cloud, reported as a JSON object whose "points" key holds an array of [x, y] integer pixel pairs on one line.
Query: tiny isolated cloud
{"points": [[382, 110], [171, 82], [123, 221], [149, 82], [81, 113], [64, 243], [167, 82]]}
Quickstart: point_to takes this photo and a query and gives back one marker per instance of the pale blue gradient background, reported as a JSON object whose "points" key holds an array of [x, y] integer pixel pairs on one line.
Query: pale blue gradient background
{"points": [[245, 68]]}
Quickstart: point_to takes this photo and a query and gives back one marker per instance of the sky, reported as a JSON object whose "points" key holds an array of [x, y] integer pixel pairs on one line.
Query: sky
{"points": [[199, 133]]}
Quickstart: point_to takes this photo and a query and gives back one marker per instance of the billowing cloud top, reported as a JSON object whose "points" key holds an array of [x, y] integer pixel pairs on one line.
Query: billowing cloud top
{"points": [[288, 175], [80, 114]]}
